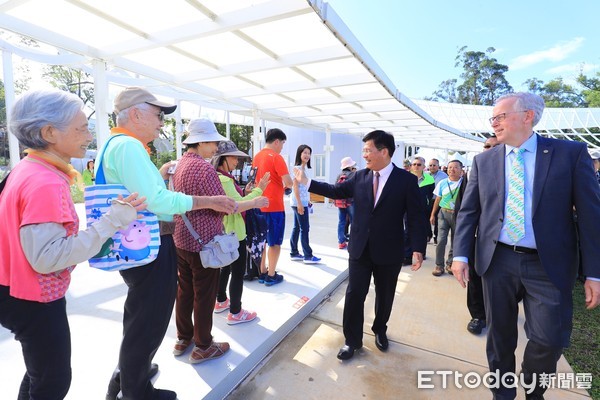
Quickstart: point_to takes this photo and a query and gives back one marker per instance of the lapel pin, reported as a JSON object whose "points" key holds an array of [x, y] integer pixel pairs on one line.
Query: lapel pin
{"points": [[545, 151]]}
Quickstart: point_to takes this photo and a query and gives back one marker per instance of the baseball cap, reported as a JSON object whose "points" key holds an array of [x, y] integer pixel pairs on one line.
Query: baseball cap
{"points": [[132, 96]]}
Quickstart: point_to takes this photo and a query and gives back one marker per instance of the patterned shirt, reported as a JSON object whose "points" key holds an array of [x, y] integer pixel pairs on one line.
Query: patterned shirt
{"points": [[195, 176], [447, 190]]}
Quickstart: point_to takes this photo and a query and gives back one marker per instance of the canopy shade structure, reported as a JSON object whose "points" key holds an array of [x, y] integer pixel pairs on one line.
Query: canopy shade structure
{"points": [[581, 124], [288, 61]]}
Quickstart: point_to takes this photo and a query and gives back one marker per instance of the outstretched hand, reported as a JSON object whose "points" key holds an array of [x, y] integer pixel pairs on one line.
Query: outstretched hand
{"points": [[264, 181], [300, 176]]}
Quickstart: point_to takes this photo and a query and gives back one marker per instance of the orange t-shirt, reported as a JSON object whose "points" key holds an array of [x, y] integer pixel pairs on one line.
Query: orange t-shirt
{"points": [[268, 160]]}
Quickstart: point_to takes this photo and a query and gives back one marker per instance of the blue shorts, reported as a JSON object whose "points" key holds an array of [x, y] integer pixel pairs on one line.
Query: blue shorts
{"points": [[275, 227]]}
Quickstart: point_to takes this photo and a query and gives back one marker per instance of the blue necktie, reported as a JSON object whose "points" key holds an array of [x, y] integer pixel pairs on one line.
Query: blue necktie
{"points": [[515, 202]]}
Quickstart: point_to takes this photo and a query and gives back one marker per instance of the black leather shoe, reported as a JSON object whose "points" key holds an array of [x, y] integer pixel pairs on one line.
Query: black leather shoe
{"points": [[346, 352], [475, 326], [381, 341], [407, 261], [114, 387]]}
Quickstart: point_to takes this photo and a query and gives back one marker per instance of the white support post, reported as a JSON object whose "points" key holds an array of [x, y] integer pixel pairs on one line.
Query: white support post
{"points": [[9, 98], [328, 151], [227, 126], [101, 102], [256, 133], [178, 131]]}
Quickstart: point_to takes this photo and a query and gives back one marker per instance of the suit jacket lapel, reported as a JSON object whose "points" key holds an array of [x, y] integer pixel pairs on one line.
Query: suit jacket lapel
{"points": [[387, 186], [369, 184], [542, 166], [499, 161]]}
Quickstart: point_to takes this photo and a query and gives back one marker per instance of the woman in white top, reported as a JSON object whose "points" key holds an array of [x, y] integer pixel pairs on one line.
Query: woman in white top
{"points": [[300, 204]]}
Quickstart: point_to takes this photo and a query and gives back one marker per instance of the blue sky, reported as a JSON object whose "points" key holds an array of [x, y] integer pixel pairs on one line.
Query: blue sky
{"points": [[415, 41]]}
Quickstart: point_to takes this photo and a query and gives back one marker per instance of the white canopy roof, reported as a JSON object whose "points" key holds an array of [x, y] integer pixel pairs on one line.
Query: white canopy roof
{"points": [[288, 61]]}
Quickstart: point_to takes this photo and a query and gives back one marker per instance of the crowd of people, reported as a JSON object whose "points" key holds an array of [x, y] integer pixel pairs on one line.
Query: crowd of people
{"points": [[500, 219]]}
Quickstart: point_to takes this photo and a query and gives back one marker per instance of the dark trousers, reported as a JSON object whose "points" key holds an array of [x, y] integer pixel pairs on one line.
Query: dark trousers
{"points": [[236, 285], [196, 296], [475, 302], [385, 278], [148, 307], [300, 230], [548, 316], [43, 331]]}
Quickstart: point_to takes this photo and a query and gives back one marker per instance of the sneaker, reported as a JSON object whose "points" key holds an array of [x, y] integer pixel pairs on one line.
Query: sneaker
{"points": [[273, 280], [215, 350], [241, 317], [438, 271], [180, 346], [296, 257], [262, 277], [221, 306], [342, 246], [312, 260]]}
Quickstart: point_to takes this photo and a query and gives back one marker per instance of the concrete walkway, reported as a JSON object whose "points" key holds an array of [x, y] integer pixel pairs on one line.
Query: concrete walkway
{"points": [[290, 351]]}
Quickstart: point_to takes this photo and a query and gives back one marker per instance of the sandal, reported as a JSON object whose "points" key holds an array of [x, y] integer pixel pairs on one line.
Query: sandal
{"points": [[215, 350]]}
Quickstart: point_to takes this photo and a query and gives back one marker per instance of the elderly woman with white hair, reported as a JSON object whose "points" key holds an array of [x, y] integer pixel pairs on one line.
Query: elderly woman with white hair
{"points": [[41, 242]]}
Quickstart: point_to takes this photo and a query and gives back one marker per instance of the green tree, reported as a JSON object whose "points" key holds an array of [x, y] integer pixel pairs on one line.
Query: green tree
{"points": [[72, 80], [591, 91], [483, 79], [556, 93]]}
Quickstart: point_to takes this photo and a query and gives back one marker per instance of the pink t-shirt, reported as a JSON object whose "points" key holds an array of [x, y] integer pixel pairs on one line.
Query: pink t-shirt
{"points": [[35, 193]]}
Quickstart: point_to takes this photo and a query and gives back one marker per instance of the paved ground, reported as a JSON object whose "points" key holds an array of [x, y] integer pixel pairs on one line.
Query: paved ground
{"points": [[427, 331]]}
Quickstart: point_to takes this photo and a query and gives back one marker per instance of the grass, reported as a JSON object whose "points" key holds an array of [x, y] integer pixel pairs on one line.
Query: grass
{"points": [[584, 353]]}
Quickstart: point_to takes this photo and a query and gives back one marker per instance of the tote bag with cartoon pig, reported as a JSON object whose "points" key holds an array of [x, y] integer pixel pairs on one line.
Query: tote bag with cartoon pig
{"points": [[131, 247]]}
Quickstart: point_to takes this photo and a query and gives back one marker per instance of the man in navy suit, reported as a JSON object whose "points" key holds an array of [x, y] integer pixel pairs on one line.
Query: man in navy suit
{"points": [[527, 239], [382, 194]]}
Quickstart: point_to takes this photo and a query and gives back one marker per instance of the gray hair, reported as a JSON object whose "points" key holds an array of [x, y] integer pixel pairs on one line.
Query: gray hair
{"points": [[527, 101], [420, 159], [37, 109], [123, 115]]}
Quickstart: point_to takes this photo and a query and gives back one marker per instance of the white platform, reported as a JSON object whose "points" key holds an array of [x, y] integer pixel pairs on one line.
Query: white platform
{"points": [[95, 307]]}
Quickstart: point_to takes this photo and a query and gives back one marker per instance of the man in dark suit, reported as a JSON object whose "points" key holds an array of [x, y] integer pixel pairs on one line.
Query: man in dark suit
{"points": [[520, 200], [382, 195]]}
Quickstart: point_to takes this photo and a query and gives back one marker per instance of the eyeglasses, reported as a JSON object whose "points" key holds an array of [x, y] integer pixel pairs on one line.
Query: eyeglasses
{"points": [[416, 164], [369, 151], [501, 117], [160, 115]]}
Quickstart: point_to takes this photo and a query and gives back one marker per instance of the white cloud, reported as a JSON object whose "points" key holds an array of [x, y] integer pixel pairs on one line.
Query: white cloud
{"points": [[558, 52], [573, 69]]}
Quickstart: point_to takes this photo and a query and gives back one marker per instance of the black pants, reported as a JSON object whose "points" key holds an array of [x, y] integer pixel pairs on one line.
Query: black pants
{"points": [[548, 316], [43, 330], [475, 302], [148, 308], [385, 278], [236, 285]]}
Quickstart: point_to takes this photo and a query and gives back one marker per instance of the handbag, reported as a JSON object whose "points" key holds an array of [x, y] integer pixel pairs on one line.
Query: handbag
{"points": [[134, 246], [219, 252]]}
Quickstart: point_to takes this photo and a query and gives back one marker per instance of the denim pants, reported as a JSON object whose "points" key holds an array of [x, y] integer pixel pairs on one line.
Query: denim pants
{"points": [[341, 231], [301, 228], [445, 225]]}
